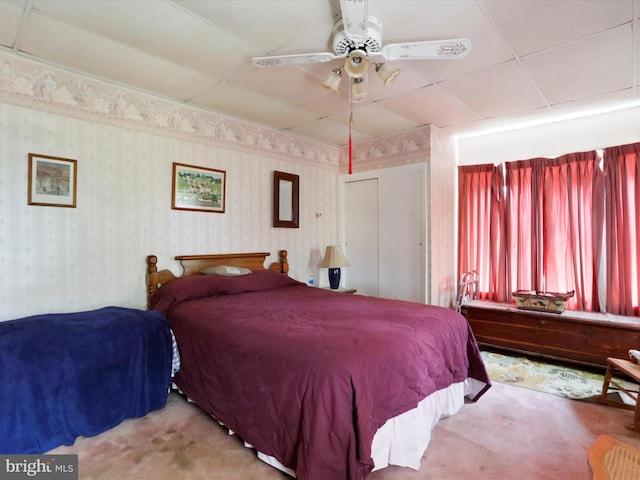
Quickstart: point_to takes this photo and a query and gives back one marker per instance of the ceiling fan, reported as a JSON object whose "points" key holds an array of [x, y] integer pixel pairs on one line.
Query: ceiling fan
{"points": [[356, 38]]}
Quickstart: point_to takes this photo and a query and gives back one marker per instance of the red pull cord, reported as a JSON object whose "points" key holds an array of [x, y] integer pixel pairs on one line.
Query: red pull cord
{"points": [[350, 145]]}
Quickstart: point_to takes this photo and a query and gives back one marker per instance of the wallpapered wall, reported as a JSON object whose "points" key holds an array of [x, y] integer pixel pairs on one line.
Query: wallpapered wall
{"points": [[71, 259]]}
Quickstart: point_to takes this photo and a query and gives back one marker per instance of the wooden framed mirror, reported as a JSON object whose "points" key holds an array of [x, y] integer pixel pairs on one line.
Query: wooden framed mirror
{"points": [[286, 200]]}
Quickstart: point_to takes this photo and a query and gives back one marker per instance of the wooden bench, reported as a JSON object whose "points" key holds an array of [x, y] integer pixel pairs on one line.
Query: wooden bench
{"points": [[630, 369], [586, 338]]}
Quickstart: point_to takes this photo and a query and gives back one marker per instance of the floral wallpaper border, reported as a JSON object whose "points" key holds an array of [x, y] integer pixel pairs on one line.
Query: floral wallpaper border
{"points": [[28, 83], [31, 84], [391, 151]]}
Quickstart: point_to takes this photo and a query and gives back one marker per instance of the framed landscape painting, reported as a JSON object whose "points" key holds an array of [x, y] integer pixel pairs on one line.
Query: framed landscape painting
{"points": [[52, 181], [198, 188]]}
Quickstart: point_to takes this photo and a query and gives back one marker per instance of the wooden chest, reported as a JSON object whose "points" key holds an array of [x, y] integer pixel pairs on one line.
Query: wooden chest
{"points": [[581, 337]]}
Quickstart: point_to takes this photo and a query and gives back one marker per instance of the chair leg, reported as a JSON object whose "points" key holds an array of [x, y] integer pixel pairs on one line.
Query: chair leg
{"points": [[607, 381], [635, 426]]}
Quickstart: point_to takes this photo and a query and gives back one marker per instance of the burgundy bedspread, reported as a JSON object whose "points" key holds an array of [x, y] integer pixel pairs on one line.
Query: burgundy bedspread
{"points": [[307, 375]]}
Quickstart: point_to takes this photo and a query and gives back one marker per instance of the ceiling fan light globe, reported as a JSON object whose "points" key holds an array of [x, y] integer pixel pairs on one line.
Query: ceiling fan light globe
{"points": [[386, 73], [359, 89], [332, 82], [356, 64]]}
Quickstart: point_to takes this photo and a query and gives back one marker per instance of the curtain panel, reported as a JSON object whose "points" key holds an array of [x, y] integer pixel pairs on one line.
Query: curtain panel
{"points": [[523, 220], [622, 231], [481, 228], [571, 225]]}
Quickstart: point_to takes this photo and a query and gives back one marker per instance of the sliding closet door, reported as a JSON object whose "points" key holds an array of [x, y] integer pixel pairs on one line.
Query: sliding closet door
{"points": [[361, 235], [384, 232], [402, 232]]}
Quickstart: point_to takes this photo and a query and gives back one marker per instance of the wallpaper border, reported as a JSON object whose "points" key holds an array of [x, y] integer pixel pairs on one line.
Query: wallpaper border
{"points": [[31, 84]]}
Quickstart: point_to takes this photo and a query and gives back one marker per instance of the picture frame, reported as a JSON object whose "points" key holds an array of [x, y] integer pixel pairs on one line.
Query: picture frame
{"points": [[198, 188], [52, 181], [286, 200]]}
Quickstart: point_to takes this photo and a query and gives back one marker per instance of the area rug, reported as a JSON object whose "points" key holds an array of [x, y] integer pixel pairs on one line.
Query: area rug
{"points": [[611, 459], [543, 376]]}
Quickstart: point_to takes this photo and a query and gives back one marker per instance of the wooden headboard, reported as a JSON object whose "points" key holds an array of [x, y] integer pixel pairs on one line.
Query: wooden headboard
{"points": [[192, 264]]}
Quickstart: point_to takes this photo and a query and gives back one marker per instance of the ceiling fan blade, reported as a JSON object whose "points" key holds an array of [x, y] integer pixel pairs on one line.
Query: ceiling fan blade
{"points": [[298, 59], [355, 17], [428, 50]]}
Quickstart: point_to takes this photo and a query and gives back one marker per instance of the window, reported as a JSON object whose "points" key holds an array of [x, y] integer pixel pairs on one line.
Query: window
{"points": [[552, 225]]}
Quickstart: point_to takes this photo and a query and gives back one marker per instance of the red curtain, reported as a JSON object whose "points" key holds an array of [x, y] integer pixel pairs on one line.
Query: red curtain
{"points": [[622, 190], [537, 226], [571, 222], [481, 228], [523, 220]]}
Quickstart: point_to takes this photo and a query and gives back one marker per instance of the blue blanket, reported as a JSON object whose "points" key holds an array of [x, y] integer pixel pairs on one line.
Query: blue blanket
{"points": [[79, 374]]}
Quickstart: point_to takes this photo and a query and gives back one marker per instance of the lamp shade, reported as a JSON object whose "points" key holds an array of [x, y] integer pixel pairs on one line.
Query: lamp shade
{"points": [[332, 82], [356, 64], [386, 73], [334, 258], [359, 89]]}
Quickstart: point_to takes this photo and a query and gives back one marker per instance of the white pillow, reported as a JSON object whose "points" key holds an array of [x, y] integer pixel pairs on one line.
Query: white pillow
{"points": [[226, 270]]}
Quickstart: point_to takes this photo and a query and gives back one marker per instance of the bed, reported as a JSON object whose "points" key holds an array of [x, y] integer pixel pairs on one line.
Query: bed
{"points": [[323, 385], [67, 375]]}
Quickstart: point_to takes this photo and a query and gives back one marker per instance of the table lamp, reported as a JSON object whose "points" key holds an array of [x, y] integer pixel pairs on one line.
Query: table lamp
{"points": [[333, 260]]}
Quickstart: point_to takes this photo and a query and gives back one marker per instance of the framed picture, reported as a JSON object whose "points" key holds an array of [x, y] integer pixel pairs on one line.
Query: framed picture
{"points": [[198, 188], [52, 181]]}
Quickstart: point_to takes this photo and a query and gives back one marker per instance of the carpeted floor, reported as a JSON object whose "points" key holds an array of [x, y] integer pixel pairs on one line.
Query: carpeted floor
{"points": [[559, 379], [509, 433]]}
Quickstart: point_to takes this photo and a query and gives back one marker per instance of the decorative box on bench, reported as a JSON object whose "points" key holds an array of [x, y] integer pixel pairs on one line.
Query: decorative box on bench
{"points": [[551, 302]]}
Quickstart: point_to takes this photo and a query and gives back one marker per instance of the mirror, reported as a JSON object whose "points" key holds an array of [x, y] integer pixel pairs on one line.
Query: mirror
{"points": [[285, 200]]}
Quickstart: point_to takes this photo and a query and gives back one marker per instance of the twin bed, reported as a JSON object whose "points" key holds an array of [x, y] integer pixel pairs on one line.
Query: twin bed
{"points": [[77, 374], [321, 384]]}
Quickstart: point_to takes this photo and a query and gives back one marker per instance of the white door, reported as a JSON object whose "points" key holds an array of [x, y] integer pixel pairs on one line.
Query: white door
{"points": [[402, 232], [384, 232], [361, 235]]}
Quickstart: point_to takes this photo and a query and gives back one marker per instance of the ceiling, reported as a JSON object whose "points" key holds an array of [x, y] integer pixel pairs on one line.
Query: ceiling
{"points": [[530, 60]]}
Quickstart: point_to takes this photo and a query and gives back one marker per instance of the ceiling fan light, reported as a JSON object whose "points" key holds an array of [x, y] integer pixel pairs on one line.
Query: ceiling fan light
{"points": [[356, 64], [386, 73], [359, 90], [332, 82]]}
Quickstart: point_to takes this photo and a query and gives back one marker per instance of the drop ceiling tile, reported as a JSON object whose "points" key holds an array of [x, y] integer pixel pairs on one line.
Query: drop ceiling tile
{"points": [[495, 91], [511, 121], [533, 26], [408, 20], [588, 106], [430, 106], [408, 80], [367, 118], [97, 56], [171, 32], [294, 86], [10, 16], [252, 106], [593, 66], [574, 109], [330, 131], [412, 21], [269, 24]]}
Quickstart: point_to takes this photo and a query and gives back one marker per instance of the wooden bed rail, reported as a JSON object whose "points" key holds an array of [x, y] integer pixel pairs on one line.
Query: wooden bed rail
{"points": [[193, 264]]}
